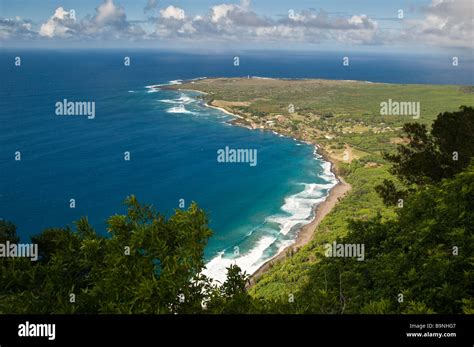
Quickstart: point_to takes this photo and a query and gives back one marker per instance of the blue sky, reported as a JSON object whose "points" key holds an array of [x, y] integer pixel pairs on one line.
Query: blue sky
{"points": [[364, 24], [39, 10]]}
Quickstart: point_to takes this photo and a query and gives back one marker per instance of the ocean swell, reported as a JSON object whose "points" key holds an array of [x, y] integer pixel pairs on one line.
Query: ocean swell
{"points": [[277, 231]]}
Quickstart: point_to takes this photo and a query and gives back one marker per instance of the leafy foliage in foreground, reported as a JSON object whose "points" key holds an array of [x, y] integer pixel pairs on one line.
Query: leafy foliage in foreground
{"points": [[420, 261], [430, 157], [426, 253], [148, 264]]}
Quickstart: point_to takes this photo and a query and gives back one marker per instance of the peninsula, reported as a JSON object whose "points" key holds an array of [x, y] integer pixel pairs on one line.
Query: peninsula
{"points": [[348, 123]]}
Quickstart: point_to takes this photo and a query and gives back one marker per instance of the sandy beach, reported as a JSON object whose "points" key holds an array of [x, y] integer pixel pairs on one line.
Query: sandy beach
{"points": [[210, 105], [224, 110], [320, 211], [307, 231]]}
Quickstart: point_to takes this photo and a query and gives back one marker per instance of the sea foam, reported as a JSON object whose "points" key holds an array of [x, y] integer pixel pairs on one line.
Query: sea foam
{"points": [[297, 211], [298, 208], [277, 231], [183, 99], [249, 262], [179, 109]]}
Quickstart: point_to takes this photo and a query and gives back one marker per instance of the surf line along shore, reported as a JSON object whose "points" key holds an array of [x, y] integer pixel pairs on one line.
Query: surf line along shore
{"points": [[306, 232]]}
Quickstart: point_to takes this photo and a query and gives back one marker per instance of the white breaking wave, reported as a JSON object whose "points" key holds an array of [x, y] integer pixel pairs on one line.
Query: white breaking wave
{"points": [[297, 211], [262, 78], [154, 88], [179, 109], [183, 99], [327, 174], [197, 79], [298, 208], [249, 262]]}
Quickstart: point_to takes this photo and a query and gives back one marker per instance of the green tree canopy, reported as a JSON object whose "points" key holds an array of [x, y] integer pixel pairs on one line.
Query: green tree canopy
{"points": [[430, 157], [426, 254], [147, 264]]}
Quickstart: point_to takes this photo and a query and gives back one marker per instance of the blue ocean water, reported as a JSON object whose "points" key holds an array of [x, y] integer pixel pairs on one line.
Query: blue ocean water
{"points": [[172, 139]]}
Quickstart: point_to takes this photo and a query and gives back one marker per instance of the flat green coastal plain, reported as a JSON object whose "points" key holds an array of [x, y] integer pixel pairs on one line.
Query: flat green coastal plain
{"points": [[347, 121]]}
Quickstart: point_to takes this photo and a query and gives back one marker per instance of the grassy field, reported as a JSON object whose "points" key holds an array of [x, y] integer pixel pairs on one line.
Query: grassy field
{"points": [[344, 119], [330, 113]]}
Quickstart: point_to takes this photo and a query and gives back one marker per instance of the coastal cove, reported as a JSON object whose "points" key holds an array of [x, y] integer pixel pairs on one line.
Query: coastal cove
{"points": [[172, 138], [221, 161], [292, 226], [343, 119], [303, 232]]}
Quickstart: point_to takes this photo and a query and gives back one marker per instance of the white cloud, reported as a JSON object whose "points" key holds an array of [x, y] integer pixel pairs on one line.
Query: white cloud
{"points": [[16, 28], [172, 12], [109, 21], [108, 13], [187, 28], [61, 24], [443, 23], [322, 20], [150, 5], [220, 12], [446, 23], [237, 22]]}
